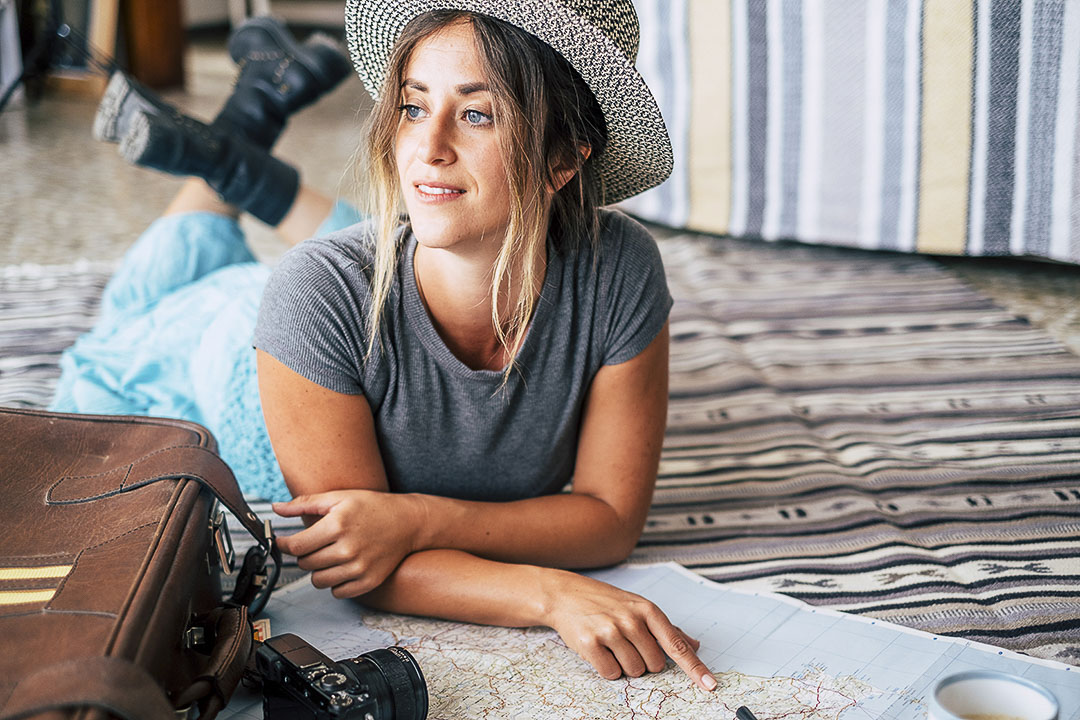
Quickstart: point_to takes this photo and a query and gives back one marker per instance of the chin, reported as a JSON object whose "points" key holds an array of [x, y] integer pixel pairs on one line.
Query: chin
{"points": [[434, 235], [445, 235]]}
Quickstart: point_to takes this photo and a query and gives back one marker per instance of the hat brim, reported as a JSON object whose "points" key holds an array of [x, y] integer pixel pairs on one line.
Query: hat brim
{"points": [[638, 155]]}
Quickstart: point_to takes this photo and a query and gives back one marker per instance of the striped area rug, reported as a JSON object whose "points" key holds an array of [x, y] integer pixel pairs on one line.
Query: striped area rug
{"points": [[863, 431], [43, 309], [858, 430]]}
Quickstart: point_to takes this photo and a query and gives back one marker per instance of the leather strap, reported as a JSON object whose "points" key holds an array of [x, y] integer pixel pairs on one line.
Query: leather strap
{"points": [[117, 686], [232, 649], [202, 465], [199, 464], [129, 692]]}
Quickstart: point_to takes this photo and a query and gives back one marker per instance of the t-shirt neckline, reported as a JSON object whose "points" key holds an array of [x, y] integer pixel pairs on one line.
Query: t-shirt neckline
{"points": [[425, 329]]}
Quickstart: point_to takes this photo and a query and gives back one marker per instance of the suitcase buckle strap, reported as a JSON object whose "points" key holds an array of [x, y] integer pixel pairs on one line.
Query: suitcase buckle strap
{"points": [[255, 582], [219, 531]]}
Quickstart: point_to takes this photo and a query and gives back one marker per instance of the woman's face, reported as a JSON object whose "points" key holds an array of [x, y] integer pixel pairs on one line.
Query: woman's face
{"points": [[448, 159]]}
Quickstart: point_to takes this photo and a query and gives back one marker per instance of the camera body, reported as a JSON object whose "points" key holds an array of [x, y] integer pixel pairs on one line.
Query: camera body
{"points": [[301, 682]]}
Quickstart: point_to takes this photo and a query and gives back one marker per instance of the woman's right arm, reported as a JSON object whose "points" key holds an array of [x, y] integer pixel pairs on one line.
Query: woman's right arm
{"points": [[615, 631], [325, 441]]}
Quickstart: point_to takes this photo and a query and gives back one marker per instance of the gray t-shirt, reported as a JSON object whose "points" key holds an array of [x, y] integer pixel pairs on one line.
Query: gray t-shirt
{"points": [[443, 428]]}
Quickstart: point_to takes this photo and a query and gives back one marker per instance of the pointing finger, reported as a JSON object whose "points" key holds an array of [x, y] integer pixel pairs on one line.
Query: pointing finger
{"points": [[693, 642], [680, 648]]}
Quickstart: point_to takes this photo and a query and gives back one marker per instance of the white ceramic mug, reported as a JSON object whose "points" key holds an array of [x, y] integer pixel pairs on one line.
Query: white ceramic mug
{"points": [[991, 695]]}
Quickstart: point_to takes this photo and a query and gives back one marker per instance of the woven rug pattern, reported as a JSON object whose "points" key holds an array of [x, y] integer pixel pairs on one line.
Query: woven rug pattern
{"points": [[858, 430], [866, 432], [43, 309]]}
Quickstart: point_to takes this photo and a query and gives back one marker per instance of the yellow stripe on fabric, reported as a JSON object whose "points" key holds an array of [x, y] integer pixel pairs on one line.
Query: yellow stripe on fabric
{"points": [[34, 573], [709, 161], [25, 597], [945, 160]]}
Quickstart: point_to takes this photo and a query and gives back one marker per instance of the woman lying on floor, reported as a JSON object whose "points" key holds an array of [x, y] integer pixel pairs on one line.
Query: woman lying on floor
{"points": [[429, 386]]}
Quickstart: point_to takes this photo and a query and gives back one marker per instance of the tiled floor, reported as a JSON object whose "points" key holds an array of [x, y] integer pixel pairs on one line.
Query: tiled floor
{"points": [[64, 196]]}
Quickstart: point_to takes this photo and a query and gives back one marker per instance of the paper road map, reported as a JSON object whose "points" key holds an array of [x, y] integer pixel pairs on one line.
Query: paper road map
{"points": [[780, 657]]}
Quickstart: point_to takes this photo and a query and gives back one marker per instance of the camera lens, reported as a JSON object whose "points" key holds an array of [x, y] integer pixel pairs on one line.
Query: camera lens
{"points": [[394, 680]]}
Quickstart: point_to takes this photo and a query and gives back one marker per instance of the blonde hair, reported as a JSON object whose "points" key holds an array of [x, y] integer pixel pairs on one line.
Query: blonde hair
{"points": [[545, 116]]}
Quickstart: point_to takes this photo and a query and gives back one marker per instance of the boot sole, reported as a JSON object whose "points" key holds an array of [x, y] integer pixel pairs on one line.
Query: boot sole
{"points": [[108, 111], [133, 144], [284, 42]]}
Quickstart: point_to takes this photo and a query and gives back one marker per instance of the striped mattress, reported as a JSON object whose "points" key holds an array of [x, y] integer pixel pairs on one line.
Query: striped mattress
{"points": [[858, 430], [936, 126]]}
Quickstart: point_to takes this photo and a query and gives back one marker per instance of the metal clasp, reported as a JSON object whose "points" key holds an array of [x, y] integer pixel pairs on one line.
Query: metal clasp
{"points": [[195, 637], [219, 529], [263, 576]]}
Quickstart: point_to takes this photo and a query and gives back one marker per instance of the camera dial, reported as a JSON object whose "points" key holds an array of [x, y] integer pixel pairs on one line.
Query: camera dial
{"points": [[333, 681]]}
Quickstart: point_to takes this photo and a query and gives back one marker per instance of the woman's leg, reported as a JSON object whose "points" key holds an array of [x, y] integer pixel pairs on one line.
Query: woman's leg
{"points": [[196, 196], [309, 209], [128, 362]]}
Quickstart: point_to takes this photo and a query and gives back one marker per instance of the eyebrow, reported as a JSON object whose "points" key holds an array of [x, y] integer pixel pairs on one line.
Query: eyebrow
{"points": [[463, 89]]}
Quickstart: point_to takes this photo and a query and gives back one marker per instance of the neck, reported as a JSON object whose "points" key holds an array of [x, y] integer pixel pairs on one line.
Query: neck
{"points": [[456, 289]]}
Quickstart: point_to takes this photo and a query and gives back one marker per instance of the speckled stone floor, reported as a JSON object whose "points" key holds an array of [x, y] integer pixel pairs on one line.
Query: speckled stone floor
{"points": [[64, 196]]}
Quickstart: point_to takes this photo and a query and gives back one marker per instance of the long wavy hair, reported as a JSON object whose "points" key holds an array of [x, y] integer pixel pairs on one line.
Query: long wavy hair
{"points": [[545, 116]]}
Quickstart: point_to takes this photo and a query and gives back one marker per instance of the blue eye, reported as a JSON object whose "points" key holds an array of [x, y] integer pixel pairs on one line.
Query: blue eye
{"points": [[411, 111], [475, 117]]}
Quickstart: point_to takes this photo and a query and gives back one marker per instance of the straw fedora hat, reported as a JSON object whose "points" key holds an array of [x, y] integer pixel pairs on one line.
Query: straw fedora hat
{"points": [[599, 38]]}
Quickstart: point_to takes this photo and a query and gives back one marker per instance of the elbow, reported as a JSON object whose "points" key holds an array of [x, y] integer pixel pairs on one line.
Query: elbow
{"points": [[621, 540], [618, 557], [619, 548], [604, 552]]}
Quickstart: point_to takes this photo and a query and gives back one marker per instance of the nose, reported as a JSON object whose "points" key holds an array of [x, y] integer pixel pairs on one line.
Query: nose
{"points": [[435, 145]]}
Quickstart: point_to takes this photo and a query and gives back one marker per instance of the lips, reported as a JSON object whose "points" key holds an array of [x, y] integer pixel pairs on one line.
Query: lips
{"points": [[435, 191]]}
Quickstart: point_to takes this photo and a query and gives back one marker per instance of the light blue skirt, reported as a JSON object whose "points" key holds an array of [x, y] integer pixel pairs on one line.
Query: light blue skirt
{"points": [[174, 340]]}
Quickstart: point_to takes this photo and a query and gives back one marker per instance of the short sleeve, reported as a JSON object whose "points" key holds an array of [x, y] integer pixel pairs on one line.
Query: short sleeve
{"points": [[313, 314], [634, 290]]}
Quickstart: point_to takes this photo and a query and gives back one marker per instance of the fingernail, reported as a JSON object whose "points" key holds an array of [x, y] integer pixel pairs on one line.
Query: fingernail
{"points": [[709, 682]]}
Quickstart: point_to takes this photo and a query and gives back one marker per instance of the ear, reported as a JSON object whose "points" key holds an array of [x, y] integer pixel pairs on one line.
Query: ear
{"points": [[565, 173]]}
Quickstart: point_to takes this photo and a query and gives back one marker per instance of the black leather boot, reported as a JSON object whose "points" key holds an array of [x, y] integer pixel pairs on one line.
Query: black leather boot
{"points": [[123, 98], [278, 76], [243, 174]]}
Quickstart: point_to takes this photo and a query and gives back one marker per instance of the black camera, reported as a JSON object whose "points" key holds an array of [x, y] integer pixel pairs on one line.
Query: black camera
{"points": [[299, 682]]}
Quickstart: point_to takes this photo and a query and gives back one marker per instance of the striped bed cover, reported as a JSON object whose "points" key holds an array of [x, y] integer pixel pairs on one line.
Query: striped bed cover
{"points": [[859, 430], [934, 126]]}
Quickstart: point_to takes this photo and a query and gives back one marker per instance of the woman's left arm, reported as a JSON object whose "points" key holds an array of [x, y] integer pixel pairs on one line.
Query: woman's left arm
{"points": [[598, 523]]}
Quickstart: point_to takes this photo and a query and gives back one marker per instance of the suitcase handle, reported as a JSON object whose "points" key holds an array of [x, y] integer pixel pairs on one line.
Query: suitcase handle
{"points": [[125, 690], [200, 464], [118, 686]]}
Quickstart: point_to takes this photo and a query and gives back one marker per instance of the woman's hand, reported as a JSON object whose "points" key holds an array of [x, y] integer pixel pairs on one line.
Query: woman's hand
{"points": [[619, 633], [359, 538]]}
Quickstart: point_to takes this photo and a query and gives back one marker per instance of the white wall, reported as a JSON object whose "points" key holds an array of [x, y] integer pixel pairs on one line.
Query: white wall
{"points": [[205, 12]]}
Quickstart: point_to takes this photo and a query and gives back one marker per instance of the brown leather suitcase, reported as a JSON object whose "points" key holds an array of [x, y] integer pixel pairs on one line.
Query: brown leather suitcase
{"points": [[111, 549]]}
